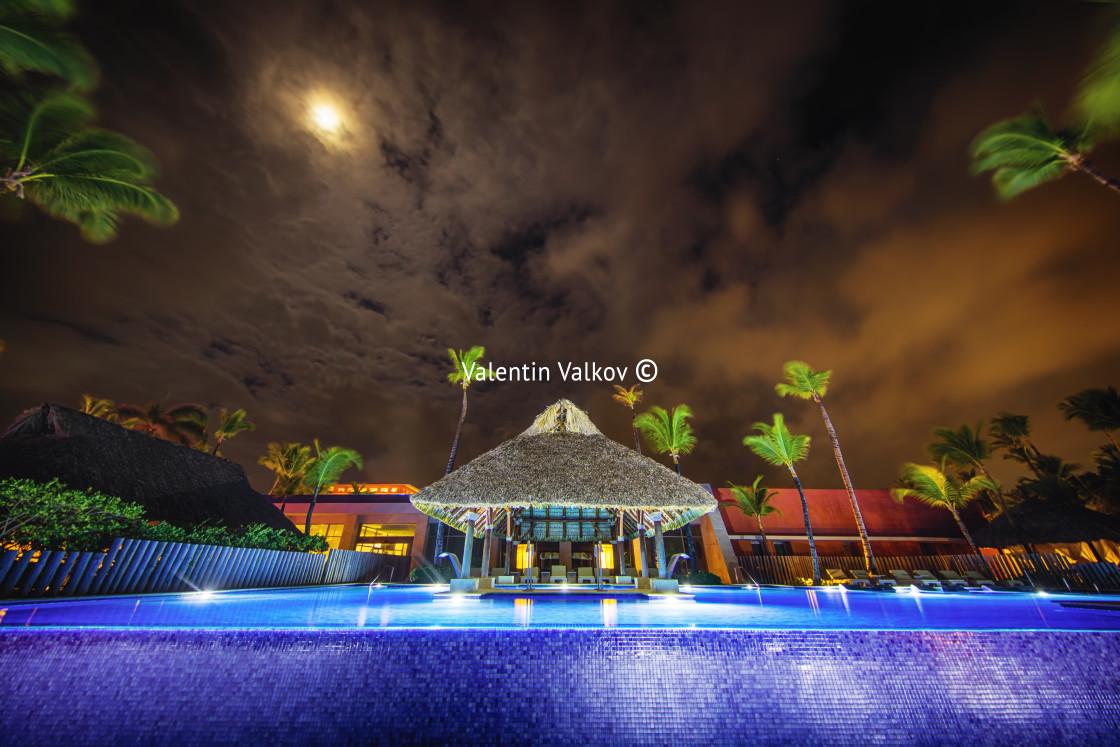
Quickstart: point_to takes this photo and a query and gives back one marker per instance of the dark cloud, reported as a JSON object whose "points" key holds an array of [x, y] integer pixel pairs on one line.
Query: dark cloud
{"points": [[719, 186]]}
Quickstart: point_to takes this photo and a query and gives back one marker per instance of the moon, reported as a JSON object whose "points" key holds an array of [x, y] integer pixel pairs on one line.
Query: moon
{"points": [[326, 118]]}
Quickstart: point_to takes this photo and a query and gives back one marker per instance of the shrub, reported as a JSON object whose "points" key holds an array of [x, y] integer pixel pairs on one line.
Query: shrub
{"points": [[430, 575], [255, 535], [702, 578], [51, 516]]}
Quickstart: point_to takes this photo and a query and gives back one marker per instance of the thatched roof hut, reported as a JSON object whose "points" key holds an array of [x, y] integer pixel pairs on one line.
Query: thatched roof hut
{"points": [[1045, 522], [174, 483], [564, 480]]}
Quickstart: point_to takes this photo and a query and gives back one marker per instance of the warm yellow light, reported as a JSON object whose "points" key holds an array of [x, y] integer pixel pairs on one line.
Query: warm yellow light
{"points": [[326, 117]]}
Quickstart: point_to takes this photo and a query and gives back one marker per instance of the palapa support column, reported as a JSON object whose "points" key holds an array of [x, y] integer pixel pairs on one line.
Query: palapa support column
{"points": [[468, 543], [643, 555], [659, 538], [620, 547], [486, 553], [509, 538]]}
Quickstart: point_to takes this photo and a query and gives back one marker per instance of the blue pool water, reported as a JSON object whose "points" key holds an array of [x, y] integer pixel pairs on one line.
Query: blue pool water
{"points": [[422, 607]]}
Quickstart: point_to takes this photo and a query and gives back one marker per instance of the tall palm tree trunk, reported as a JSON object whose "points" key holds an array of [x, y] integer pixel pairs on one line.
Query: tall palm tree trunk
{"points": [[310, 510], [690, 543], [1088, 168], [634, 425], [1113, 440], [441, 528], [214, 451], [765, 542], [964, 530], [808, 528], [868, 556]]}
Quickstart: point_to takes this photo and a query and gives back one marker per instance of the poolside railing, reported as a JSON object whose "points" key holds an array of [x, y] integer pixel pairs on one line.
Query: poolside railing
{"points": [[1044, 570], [148, 566]]}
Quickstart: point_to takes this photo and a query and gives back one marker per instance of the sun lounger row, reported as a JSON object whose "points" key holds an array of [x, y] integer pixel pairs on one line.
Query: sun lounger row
{"points": [[920, 579]]}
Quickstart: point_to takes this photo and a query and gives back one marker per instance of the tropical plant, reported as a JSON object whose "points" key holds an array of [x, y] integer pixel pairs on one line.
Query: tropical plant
{"points": [[183, 424], [1026, 151], [1012, 434], [289, 461], [670, 433], [777, 446], [754, 500], [965, 448], [32, 40], [50, 155], [933, 487], [230, 424], [802, 382], [325, 470], [629, 398], [99, 407], [466, 367], [1098, 409], [52, 516], [254, 535]]}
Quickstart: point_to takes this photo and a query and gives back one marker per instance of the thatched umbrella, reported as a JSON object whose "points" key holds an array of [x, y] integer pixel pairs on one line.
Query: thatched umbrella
{"points": [[1045, 522], [563, 480]]}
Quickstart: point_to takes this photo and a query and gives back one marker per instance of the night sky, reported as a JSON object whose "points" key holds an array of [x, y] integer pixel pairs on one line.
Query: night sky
{"points": [[715, 187]]}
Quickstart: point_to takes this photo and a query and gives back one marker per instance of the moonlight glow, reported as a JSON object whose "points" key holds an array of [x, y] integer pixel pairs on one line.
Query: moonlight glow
{"points": [[326, 118]]}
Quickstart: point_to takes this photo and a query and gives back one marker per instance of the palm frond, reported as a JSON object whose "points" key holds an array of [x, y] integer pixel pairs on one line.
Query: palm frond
{"points": [[1098, 95], [776, 444], [628, 397], [802, 381], [31, 126], [655, 427], [1098, 409], [466, 366], [30, 41], [100, 152]]}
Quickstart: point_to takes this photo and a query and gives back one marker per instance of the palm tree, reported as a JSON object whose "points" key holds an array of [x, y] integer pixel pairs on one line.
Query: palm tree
{"points": [[933, 487], [965, 448], [670, 434], [1099, 409], [1026, 151], [31, 40], [465, 368], [231, 423], [289, 461], [779, 447], [183, 424], [754, 500], [89, 177], [1013, 434], [324, 471], [629, 398], [98, 407], [803, 382]]}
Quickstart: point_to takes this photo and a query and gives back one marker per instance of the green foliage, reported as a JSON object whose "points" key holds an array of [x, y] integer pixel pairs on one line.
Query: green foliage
{"points": [[1098, 97], [99, 407], [230, 424], [51, 516], [702, 578], [50, 155], [255, 535], [32, 40], [289, 461], [933, 487], [802, 381], [777, 445], [1025, 151], [328, 465], [668, 433], [183, 424], [427, 574], [461, 366], [754, 499], [1098, 409], [964, 448]]}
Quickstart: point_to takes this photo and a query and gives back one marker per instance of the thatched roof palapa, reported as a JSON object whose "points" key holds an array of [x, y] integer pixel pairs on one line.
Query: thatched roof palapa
{"points": [[174, 483], [562, 479], [1046, 522]]}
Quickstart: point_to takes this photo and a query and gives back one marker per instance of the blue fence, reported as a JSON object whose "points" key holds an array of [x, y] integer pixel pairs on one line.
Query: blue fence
{"points": [[147, 566]]}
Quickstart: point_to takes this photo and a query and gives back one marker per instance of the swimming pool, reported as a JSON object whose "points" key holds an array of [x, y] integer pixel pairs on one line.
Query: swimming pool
{"points": [[832, 608], [359, 665]]}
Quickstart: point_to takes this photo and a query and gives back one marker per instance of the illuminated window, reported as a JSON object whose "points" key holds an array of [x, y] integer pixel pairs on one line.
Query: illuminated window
{"points": [[522, 551], [332, 533], [386, 530], [384, 548]]}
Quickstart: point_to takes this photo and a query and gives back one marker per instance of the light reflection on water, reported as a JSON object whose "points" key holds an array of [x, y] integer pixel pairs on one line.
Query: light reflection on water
{"points": [[419, 607]]}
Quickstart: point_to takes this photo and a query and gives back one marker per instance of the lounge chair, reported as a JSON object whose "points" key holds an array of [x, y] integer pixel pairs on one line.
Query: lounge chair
{"points": [[1015, 584], [903, 577], [946, 583], [532, 573], [874, 580], [623, 580], [842, 577], [509, 580], [976, 579], [586, 576], [559, 574]]}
